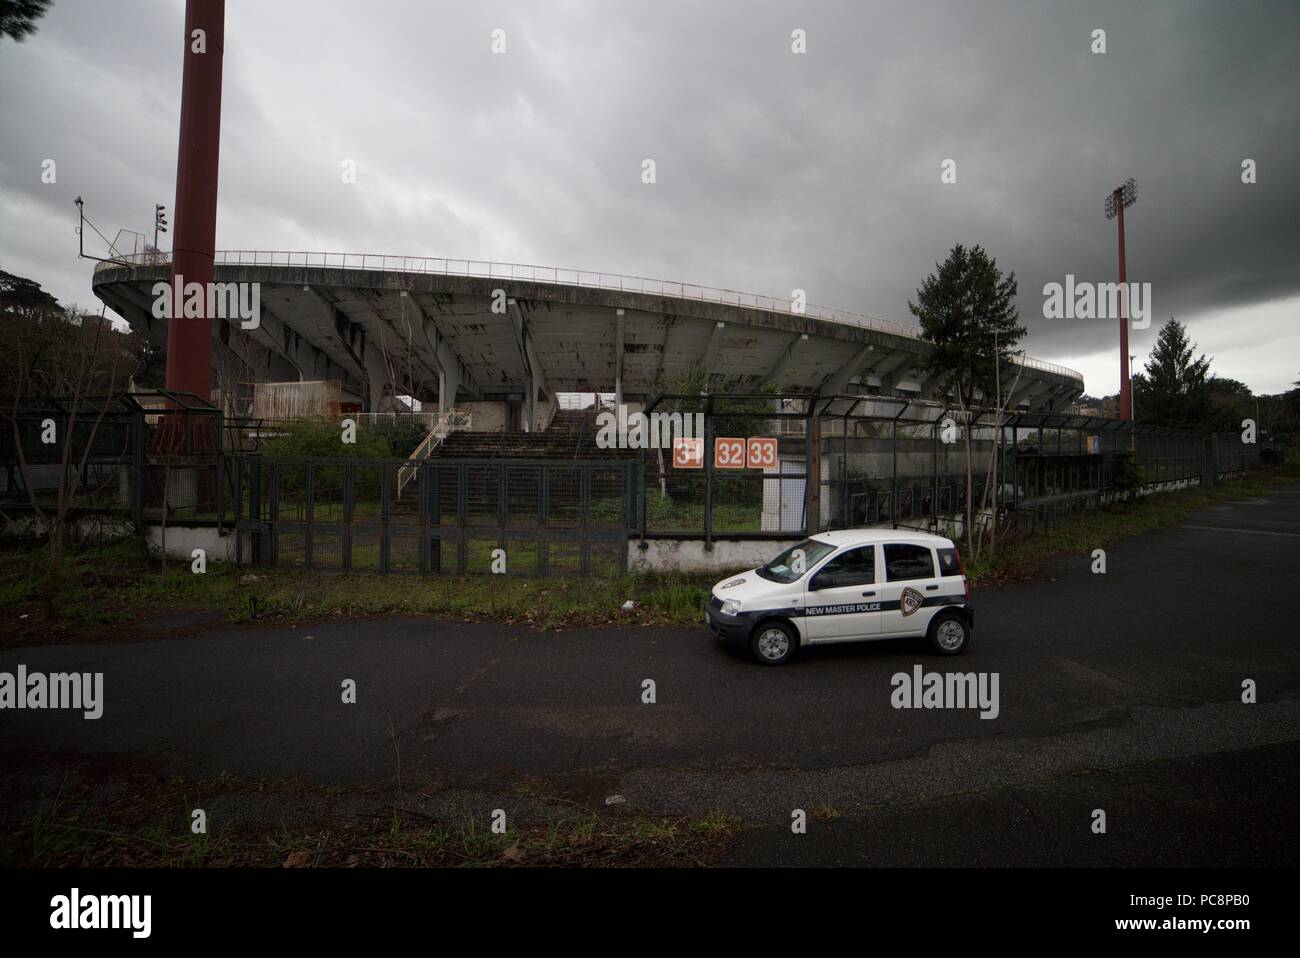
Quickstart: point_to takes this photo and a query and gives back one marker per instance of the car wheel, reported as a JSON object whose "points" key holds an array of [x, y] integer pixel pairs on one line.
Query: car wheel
{"points": [[773, 643], [949, 634]]}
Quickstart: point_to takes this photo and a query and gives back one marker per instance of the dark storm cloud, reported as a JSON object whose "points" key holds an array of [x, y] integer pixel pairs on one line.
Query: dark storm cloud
{"points": [[775, 171]]}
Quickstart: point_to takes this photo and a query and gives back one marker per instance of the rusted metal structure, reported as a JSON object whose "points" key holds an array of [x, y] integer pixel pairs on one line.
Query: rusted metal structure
{"points": [[189, 341]]}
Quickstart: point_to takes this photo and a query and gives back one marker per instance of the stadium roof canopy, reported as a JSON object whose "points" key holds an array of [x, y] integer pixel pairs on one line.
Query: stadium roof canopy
{"points": [[459, 329]]}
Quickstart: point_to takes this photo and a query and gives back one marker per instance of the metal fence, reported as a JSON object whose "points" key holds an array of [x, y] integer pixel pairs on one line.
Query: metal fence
{"points": [[1233, 456], [713, 499], [139, 455], [828, 463], [890, 461], [524, 517]]}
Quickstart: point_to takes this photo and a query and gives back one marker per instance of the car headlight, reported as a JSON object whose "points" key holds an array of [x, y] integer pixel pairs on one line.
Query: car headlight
{"points": [[731, 607]]}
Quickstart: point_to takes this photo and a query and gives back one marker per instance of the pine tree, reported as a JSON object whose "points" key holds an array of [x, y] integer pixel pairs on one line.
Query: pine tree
{"points": [[18, 17], [968, 316], [965, 309], [1175, 389]]}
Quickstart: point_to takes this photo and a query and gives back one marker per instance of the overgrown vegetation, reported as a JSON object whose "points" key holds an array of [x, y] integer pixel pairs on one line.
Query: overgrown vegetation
{"points": [[1128, 477]]}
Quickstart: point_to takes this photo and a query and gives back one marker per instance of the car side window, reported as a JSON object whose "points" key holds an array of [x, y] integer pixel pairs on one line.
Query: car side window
{"points": [[948, 565], [852, 567], [907, 560]]}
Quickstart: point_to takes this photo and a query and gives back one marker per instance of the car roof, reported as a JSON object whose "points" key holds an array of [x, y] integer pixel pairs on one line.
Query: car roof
{"points": [[846, 537]]}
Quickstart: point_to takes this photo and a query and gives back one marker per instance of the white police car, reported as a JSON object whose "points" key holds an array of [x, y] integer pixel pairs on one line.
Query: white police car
{"points": [[853, 585]]}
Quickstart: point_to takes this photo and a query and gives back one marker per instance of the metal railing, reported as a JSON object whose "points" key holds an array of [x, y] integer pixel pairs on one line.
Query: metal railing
{"points": [[395, 417], [558, 276], [451, 420]]}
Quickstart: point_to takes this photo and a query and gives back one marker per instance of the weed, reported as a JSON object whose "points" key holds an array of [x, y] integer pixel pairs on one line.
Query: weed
{"points": [[717, 822]]}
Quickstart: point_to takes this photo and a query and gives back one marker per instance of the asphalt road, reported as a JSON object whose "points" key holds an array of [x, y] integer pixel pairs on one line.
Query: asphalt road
{"points": [[1119, 691]]}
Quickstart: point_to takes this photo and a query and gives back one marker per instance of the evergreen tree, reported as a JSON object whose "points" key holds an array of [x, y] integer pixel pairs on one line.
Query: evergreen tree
{"points": [[1229, 401], [18, 17], [24, 298], [1175, 388], [968, 316]]}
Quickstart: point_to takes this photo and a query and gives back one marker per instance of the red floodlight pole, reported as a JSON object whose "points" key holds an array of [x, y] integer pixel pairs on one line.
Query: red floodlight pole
{"points": [[189, 341], [1119, 199]]}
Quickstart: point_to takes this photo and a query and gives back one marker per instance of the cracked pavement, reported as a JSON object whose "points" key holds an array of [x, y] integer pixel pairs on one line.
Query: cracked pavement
{"points": [[1119, 691]]}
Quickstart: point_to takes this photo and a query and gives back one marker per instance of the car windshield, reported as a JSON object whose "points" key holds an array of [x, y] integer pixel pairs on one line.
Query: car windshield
{"points": [[795, 561]]}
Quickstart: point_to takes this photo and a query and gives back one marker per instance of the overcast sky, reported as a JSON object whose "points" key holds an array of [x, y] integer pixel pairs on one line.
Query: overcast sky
{"points": [[775, 171]]}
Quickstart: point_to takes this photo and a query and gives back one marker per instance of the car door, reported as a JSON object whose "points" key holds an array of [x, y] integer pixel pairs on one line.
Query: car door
{"points": [[841, 600], [909, 580]]}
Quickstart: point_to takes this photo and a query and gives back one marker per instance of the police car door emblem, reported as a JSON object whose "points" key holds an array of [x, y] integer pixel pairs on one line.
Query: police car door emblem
{"points": [[910, 601]]}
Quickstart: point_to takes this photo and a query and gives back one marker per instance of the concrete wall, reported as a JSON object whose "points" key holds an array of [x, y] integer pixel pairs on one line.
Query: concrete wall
{"points": [[689, 555], [182, 540], [487, 416], [545, 413], [1152, 489]]}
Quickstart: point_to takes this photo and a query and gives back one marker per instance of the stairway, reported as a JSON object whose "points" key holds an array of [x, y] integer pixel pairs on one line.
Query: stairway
{"points": [[570, 435]]}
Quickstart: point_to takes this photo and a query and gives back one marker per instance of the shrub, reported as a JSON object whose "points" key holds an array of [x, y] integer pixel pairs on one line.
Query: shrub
{"points": [[1128, 476], [306, 439]]}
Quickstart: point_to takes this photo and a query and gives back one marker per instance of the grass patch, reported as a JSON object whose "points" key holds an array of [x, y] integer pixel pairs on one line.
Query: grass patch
{"points": [[150, 827], [16, 591], [114, 587], [543, 603], [825, 812], [717, 822]]}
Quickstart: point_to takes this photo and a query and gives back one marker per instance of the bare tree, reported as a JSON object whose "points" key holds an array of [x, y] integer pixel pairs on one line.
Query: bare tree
{"points": [[66, 359], [1002, 399]]}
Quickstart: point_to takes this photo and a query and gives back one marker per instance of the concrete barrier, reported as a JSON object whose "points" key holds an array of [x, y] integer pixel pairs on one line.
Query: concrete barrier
{"points": [[689, 555]]}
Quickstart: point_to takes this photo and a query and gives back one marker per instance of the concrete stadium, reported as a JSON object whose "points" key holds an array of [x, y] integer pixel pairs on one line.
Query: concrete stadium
{"points": [[457, 331]]}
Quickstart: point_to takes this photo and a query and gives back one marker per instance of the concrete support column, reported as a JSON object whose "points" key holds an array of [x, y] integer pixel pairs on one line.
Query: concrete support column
{"points": [[376, 377], [448, 387], [618, 357]]}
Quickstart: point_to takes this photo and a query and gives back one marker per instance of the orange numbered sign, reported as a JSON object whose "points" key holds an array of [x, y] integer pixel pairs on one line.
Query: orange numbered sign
{"points": [[729, 453], [688, 453], [761, 453]]}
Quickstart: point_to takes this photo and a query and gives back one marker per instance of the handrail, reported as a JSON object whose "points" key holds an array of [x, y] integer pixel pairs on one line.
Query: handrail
{"points": [[451, 420], [552, 275]]}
